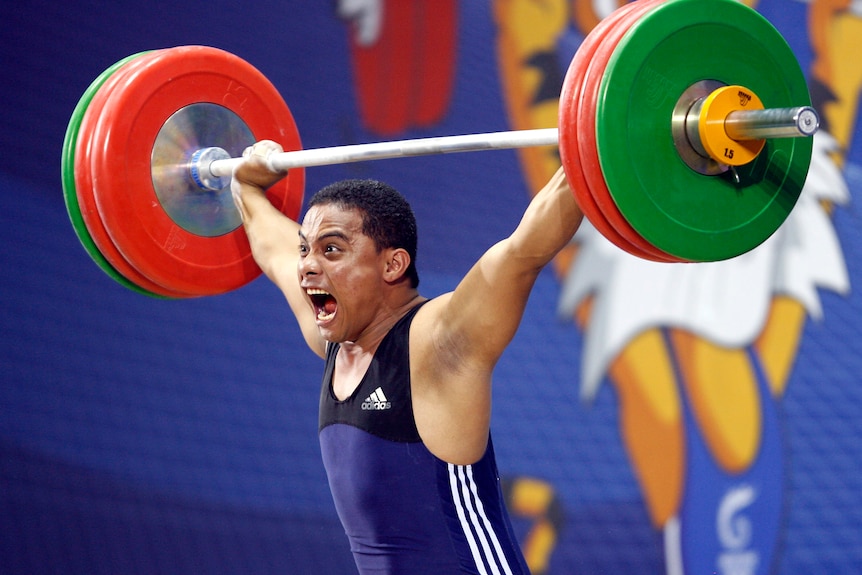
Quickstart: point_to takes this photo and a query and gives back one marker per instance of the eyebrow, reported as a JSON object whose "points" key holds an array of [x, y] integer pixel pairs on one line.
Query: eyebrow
{"points": [[326, 236]]}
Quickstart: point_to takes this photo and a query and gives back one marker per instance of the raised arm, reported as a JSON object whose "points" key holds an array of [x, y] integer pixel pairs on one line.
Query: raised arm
{"points": [[460, 336], [486, 308], [274, 238]]}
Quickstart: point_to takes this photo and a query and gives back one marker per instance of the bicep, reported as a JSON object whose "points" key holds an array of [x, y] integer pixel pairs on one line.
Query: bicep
{"points": [[483, 313]]}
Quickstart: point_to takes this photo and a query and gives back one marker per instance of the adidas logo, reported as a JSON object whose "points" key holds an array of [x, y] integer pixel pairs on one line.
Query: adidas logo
{"points": [[376, 401]]}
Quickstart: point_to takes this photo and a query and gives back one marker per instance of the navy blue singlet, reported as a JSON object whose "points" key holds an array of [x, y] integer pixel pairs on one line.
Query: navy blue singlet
{"points": [[404, 510]]}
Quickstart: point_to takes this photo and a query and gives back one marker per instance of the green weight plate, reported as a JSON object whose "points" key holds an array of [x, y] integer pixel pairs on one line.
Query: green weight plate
{"points": [[693, 216], [67, 167]]}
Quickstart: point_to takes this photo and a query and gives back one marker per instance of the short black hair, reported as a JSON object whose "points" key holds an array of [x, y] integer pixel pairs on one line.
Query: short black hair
{"points": [[387, 217]]}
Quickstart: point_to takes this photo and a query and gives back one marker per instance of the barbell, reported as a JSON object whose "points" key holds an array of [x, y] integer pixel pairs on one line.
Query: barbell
{"points": [[684, 131]]}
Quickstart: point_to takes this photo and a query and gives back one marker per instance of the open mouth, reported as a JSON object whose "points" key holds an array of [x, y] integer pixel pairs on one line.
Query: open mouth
{"points": [[323, 302]]}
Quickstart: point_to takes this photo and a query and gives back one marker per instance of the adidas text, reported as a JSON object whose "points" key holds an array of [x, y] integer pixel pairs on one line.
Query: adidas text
{"points": [[372, 405], [376, 401]]}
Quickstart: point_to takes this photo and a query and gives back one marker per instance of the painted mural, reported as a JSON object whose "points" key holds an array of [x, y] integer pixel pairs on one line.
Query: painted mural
{"points": [[698, 355], [648, 418]]}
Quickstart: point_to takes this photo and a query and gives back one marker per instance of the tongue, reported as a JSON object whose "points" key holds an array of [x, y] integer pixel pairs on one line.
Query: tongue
{"points": [[330, 305]]}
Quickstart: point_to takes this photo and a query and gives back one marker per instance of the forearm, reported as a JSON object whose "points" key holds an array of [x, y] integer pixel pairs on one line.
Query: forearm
{"points": [[549, 222], [273, 237]]}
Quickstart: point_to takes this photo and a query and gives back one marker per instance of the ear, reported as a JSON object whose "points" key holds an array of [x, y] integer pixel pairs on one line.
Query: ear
{"points": [[397, 262]]}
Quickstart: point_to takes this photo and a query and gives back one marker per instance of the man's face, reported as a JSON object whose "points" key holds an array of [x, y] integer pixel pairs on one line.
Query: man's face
{"points": [[340, 271]]}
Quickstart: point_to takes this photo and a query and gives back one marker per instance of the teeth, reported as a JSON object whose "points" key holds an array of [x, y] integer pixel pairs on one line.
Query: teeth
{"points": [[321, 313]]}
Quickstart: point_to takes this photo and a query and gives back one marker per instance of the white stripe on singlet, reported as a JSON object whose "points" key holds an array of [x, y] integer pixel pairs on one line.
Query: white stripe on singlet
{"points": [[473, 519]]}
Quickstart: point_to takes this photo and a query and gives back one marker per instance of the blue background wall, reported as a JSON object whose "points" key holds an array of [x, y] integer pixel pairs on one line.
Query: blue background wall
{"points": [[147, 436]]}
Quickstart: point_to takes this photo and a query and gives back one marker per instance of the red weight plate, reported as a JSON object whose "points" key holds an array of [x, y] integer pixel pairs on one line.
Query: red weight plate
{"points": [[568, 142], [587, 133], [143, 100], [70, 195], [568, 124], [84, 148]]}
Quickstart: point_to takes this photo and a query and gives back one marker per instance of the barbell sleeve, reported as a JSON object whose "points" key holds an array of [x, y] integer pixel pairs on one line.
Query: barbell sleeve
{"points": [[771, 123]]}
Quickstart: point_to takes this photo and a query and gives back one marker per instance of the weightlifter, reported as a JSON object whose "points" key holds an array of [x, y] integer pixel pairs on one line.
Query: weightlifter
{"points": [[405, 403]]}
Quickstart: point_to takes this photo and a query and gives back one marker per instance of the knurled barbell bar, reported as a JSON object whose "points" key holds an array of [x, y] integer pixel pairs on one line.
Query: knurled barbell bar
{"points": [[664, 134]]}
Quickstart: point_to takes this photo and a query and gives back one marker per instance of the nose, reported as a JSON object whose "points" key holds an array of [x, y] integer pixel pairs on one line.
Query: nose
{"points": [[308, 265]]}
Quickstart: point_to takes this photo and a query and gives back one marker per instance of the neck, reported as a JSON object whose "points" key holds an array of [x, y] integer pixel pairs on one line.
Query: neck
{"points": [[370, 339]]}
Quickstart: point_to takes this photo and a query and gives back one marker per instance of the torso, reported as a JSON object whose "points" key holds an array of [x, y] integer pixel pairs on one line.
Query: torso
{"points": [[403, 509]]}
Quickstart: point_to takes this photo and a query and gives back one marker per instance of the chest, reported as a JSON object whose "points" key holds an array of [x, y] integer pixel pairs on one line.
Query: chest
{"points": [[348, 375], [376, 399]]}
